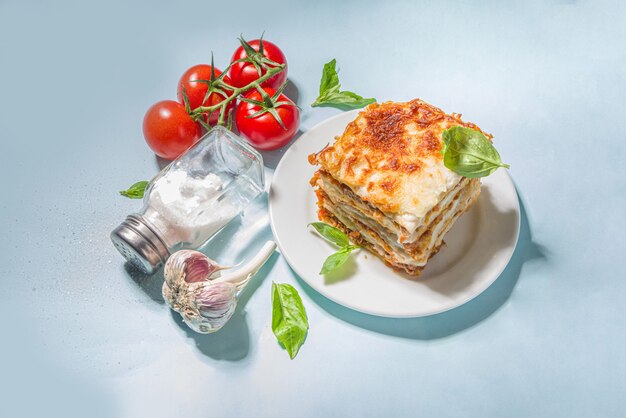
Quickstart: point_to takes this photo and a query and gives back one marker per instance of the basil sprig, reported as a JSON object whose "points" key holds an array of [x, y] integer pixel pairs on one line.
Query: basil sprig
{"points": [[334, 235], [289, 320], [135, 191], [337, 259], [469, 153], [330, 94]]}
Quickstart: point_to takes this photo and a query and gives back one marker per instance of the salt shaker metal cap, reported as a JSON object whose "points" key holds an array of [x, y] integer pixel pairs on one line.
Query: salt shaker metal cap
{"points": [[191, 199], [139, 244]]}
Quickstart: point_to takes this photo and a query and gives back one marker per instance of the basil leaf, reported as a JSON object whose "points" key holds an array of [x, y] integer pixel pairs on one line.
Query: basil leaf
{"points": [[330, 78], [135, 191], [331, 233], [344, 99], [330, 94], [336, 260], [289, 320], [469, 153]]}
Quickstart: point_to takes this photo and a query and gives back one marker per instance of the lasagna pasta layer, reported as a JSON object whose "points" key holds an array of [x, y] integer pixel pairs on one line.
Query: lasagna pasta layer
{"points": [[382, 241], [340, 193]]}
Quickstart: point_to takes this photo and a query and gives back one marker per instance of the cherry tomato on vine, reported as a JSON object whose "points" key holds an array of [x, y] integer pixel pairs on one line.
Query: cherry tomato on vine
{"points": [[264, 131], [244, 73], [196, 91], [169, 130]]}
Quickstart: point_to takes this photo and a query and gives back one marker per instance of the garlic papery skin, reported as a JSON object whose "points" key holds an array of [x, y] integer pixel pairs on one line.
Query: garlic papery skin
{"points": [[213, 304], [189, 266], [204, 306], [207, 303]]}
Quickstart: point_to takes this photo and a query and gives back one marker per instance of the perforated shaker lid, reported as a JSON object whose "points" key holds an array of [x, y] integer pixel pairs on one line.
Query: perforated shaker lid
{"points": [[139, 244]]}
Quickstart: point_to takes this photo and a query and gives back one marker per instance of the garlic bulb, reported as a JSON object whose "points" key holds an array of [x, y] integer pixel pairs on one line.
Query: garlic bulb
{"points": [[205, 300], [189, 266]]}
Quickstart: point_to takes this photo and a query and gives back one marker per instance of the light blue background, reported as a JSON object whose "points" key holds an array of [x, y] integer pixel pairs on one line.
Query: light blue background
{"points": [[82, 336]]}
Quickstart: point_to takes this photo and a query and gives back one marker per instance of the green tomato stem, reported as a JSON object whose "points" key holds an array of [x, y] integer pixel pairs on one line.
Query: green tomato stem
{"points": [[269, 72]]}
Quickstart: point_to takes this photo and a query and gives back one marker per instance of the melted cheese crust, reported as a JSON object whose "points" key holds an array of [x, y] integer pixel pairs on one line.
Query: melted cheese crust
{"points": [[390, 156]]}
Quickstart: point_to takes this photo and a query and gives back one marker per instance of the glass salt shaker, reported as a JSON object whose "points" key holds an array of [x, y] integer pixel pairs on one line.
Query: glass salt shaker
{"points": [[191, 199]]}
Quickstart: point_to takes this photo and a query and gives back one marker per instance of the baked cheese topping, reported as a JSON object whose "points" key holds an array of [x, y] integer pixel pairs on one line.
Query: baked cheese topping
{"points": [[390, 156]]}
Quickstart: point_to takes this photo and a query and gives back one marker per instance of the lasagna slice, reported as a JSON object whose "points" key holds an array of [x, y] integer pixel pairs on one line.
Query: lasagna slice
{"points": [[384, 184]]}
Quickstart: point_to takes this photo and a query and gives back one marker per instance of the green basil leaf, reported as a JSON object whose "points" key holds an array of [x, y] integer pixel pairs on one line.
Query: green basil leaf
{"points": [[331, 233], [330, 78], [336, 260], [469, 153], [289, 320], [135, 191], [330, 94], [345, 99]]}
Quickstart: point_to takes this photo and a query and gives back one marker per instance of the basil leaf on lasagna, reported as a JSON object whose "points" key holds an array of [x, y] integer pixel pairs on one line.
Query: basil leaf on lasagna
{"points": [[469, 153]]}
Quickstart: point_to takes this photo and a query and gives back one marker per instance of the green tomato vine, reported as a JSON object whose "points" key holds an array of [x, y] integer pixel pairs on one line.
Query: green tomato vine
{"points": [[266, 69]]}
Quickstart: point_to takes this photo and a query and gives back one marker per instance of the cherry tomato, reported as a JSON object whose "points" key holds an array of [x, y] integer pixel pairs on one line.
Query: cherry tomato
{"points": [[263, 131], [197, 91], [169, 130], [244, 73]]}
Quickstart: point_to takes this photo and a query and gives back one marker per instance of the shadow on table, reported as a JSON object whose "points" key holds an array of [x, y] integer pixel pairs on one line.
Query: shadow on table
{"points": [[232, 342], [453, 321], [150, 284]]}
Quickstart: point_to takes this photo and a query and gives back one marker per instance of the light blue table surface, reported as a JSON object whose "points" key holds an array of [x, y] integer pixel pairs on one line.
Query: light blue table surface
{"points": [[84, 336]]}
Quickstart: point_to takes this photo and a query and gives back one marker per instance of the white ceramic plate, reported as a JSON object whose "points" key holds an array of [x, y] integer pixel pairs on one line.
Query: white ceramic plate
{"points": [[479, 246]]}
